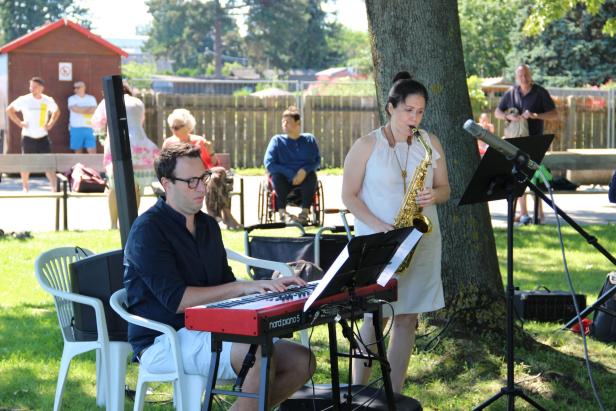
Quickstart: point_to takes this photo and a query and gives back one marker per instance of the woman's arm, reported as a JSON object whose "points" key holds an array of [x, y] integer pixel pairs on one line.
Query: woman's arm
{"points": [[99, 118], [170, 140], [440, 191], [352, 180], [209, 146]]}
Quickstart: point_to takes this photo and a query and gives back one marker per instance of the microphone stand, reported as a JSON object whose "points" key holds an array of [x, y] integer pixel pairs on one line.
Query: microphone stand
{"points": [[510, 390]]}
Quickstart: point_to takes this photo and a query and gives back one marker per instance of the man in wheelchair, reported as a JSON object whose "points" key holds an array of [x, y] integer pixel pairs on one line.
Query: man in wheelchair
{"points": [[292, 160]]}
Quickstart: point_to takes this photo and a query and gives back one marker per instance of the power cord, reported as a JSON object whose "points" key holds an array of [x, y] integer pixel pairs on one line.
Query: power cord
{"points": [[572, 291]]}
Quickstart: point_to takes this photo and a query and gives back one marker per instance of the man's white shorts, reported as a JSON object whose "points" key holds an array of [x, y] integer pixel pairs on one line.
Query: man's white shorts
{"points": [[196, 351]]}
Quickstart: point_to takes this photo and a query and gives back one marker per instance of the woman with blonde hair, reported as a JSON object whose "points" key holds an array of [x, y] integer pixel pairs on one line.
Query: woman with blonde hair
{"points": [[217, 195]]}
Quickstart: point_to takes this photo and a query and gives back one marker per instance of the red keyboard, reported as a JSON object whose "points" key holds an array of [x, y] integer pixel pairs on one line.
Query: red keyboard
{"points": [[262, 314]]}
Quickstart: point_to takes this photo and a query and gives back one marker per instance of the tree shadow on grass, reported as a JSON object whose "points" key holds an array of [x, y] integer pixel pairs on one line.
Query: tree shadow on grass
{"points": [[555, 379]]}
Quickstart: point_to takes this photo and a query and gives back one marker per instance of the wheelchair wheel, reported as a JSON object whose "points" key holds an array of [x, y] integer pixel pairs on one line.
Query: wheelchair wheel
{"points": [[263, 205], [318, 208]]}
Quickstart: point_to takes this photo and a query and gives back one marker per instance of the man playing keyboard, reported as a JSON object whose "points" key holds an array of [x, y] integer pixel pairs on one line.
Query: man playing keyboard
{"points": [[175, 259]]}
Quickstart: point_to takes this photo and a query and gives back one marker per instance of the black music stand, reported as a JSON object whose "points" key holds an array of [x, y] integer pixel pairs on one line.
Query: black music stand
{"points": [[367, 258], [500, 178]]}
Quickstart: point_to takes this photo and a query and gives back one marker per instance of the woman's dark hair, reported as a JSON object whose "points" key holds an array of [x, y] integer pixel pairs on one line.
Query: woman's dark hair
{"points": [[166, 161], [404, 86]]}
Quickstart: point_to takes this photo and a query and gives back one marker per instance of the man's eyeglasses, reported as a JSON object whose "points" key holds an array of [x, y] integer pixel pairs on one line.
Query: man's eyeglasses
{"points": [[193, 182], [177, 127]]}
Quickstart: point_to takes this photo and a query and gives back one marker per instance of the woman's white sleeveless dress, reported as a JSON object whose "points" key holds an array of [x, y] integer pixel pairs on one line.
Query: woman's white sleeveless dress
{"points": [[420, 288]]}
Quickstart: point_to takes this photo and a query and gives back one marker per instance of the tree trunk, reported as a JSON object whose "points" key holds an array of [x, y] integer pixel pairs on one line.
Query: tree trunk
{"points": [[423, 38], [218, 41]]}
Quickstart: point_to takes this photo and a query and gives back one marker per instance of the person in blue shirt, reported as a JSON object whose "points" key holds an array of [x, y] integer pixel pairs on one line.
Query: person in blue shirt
{"points": [[612, 189], [175, 259], [292, 160]]}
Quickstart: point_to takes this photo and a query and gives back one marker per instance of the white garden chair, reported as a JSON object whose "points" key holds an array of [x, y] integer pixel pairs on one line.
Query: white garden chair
{"points": [[188, 388], [53, 274]]}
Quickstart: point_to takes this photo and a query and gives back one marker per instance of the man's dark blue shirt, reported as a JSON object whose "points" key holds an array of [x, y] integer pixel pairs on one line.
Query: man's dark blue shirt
{"points": [[537, 100], [286, 156], [161, 259]]}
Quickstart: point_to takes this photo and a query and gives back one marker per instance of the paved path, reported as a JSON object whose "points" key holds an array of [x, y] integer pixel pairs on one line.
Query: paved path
{"points": [[92, 213]]}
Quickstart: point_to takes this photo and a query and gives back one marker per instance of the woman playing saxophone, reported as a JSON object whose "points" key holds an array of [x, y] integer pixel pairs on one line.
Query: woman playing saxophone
{"points": [[378, 171]]}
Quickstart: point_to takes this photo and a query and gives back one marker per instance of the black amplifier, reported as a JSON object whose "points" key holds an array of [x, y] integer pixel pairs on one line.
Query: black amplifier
{"points": [[98, 275], [545, 305]]}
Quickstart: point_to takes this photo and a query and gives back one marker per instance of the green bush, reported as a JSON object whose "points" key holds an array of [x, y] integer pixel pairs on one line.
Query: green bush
{"points": [[479, 102]]}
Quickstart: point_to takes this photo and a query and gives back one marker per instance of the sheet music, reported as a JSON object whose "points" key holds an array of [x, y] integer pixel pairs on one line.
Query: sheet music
{"points": [[333, 269], [405, 248]]}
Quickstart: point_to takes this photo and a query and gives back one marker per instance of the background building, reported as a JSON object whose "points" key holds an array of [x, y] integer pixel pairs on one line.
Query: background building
{"points": [[61, 53]]}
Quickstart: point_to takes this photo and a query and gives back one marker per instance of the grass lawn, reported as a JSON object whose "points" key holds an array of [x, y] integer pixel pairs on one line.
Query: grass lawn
{"points": [[454, 374]]}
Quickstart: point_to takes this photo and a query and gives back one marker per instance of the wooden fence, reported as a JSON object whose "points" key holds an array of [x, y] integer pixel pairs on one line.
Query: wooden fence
{"points": [[584, 121], [243, 125]]}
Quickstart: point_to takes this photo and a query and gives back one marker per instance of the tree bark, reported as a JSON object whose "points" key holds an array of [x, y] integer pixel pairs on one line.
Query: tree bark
{"points": [[218, 41], [423, 38]]}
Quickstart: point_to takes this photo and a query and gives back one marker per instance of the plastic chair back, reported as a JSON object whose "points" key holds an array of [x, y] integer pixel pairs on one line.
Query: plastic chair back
{"points": [[52, 270]]}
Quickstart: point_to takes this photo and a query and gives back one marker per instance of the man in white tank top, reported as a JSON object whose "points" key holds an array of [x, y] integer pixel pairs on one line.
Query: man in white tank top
{"points": [[39, 114]]}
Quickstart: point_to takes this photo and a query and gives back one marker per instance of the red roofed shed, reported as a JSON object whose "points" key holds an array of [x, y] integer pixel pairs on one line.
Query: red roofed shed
{"points": [[61, 53]]}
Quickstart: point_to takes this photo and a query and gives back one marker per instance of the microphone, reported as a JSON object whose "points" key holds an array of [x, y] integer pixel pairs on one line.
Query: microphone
{"points": [[504, 147]]}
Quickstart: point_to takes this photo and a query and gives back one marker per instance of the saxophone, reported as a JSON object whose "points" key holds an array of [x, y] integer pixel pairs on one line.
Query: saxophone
{"points": [[409, 214]]}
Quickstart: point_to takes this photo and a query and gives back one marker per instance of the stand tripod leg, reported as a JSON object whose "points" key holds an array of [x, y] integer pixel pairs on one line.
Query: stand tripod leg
{"points": [[529, 400], [266, 354], [377, 320], [510, 399], [333, 360], [211, 382], [511, 391], [490, 400], [347, 331]]}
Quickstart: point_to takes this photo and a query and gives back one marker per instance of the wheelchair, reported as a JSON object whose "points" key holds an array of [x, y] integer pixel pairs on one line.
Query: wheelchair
{"points": [[267, 203], [319, 248]]}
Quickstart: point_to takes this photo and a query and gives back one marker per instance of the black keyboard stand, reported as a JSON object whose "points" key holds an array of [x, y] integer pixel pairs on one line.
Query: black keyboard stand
{"points": [[381, 357], [266, 344]]}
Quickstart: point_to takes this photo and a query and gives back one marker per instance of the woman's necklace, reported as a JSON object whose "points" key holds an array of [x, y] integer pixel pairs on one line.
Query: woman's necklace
{"points": [[403, 173]]}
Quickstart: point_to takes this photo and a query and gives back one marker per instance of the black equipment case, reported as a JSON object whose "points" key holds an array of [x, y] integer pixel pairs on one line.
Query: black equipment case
{"points": [[603, 327], [99, 276], [546, 305]]}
